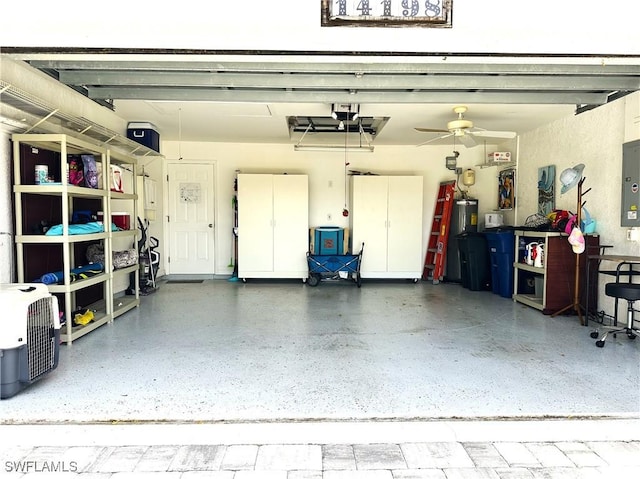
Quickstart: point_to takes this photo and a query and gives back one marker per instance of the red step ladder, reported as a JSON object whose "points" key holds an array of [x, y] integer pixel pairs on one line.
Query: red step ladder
{"points": [[437, 248]]}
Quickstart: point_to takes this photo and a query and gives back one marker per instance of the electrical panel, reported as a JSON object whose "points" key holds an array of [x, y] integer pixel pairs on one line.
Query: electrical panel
{"points": [[630, 216]]}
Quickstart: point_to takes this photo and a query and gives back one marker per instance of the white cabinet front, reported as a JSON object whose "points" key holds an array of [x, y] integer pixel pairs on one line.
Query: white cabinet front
{"points": [[387, 217], [273, 223]]}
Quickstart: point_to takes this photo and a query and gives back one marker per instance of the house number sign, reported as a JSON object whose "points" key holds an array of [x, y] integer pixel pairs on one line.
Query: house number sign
{"points": [[383, 13]]}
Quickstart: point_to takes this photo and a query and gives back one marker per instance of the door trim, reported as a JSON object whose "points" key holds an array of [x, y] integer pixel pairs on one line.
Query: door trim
{"points": [[165, 209]]}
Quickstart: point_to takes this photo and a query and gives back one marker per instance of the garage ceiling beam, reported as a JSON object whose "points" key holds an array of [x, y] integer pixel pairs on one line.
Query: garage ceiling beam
{"points": [[348, 81], [336, 96], [411, 66]]}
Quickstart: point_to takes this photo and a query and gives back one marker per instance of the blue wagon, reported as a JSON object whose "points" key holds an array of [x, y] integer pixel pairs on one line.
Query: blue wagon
{"points": [[334, 266]]}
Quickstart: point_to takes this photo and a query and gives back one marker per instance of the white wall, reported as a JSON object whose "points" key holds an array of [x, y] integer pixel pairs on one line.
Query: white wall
{"points": [[506, 26], [322, 167], [595, 139]]}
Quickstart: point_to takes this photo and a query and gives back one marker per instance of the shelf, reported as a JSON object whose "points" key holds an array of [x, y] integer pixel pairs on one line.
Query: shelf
{"points": [[59, 239], [59, 190], [79, 331], [122, 304], [553, 283], [115, 195], [538, 234], [526, 267], [124, 233], [509, 164], [529, 300], [79, 284], [126, 270], [58, 142]]}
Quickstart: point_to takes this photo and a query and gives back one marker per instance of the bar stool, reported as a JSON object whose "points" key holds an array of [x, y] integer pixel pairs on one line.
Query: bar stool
{"points": [[630, 292]]}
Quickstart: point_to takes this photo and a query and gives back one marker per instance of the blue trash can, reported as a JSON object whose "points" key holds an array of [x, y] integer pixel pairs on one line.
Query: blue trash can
{"points": [[501, 255]]}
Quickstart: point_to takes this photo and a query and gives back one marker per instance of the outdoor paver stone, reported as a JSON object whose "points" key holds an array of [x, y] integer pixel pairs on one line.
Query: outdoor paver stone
{"points": [[516, 454], [418, 474], [617, 453], [289, 457], [143, 475], [548, 454], [204, 475], [120, 459], [260, 475], [357, 475], [619, 472], [568, 473], [435, 455], [514, 473], [338, 457], [240, 457], [586, 459], [484, 454], [156, 459], [471, 473], [305, 475], [378, 456], [198, 458]]}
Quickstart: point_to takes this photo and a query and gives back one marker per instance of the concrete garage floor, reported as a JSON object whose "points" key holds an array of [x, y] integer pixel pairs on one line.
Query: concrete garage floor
{"points": [[281, 350], [278, 380]]}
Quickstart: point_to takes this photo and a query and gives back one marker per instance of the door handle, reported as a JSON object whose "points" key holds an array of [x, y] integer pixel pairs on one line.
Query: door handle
{"points": [[210, 225]]}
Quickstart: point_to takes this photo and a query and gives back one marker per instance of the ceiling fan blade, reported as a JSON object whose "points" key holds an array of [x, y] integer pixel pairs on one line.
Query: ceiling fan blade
{"points": [[467, 140], [431, 130], [494, 134], [435, 139]]}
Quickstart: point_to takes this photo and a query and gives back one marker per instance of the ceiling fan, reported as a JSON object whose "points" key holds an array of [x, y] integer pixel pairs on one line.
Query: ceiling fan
{"points": [[463, 130]]}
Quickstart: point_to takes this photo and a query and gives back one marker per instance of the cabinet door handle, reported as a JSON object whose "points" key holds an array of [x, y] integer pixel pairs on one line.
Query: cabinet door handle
{"points": [[210, 225]]}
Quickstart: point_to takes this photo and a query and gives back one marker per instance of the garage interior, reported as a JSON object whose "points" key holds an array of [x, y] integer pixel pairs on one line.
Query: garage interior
{"points": [[270, 351]]}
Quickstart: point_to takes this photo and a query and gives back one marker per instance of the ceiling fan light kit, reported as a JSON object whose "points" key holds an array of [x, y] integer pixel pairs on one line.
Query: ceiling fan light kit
{"points": [[464, 130]]}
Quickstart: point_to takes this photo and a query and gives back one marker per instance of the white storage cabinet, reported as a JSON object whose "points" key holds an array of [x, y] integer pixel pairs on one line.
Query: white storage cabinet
{"points": [[273, 226], [387, 217]]}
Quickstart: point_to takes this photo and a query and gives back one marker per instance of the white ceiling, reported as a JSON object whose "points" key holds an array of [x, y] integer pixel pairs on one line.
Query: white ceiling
{"points": [[267, 122]]}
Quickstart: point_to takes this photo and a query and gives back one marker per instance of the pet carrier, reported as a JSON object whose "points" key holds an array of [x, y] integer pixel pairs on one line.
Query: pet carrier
{"points": [[29, 336]]}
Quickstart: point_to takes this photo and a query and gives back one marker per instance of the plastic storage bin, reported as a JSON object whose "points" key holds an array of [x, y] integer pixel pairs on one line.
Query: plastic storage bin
{"points": [[474, 261], [328, 240], [501, 256]]}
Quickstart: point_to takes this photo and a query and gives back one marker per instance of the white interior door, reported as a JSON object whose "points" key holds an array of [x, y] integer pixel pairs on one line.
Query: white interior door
{"points": [[191, 218]]}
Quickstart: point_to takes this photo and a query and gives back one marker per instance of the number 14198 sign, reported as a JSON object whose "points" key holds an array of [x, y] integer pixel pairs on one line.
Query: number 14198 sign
{"points": [[433, 13]]}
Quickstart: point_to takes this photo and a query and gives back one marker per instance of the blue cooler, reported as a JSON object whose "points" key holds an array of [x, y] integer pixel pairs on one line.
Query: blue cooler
{"points": [[501, 255], [144, 133], [328, 240]]}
